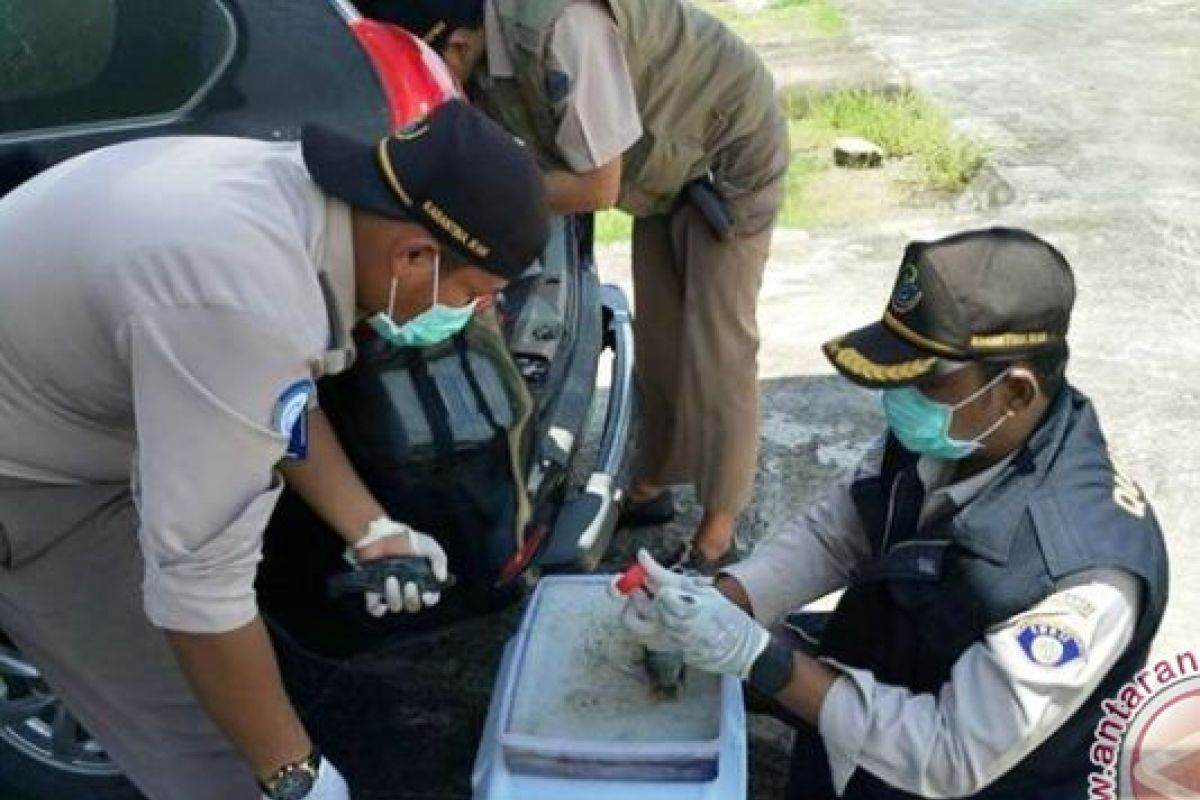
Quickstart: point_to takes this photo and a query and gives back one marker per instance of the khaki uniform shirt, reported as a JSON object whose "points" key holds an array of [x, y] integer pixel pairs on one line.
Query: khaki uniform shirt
{"points": [[600, 118], [1002, 700], [157, 299]]}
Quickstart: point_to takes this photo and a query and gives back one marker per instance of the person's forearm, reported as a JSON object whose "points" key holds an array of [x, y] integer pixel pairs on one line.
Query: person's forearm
{"points": [[236, 678], [810, 683], [328, 483], [805, 691], [732, 588], [581, 192]]}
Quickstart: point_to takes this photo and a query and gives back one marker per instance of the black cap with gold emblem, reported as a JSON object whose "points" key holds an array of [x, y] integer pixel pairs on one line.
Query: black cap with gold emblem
{"points": [[457, 173], [994, 294]]}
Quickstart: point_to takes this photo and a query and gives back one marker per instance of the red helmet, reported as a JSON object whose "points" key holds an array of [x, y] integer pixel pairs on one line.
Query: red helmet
{"points": [[414, 77]]}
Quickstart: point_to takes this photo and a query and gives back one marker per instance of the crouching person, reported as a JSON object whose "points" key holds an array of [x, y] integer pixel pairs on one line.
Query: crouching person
{"points": [[1001, 576]]}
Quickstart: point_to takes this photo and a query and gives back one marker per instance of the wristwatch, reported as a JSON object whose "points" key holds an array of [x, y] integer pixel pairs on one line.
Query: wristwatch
{"points": [[292, 781]]}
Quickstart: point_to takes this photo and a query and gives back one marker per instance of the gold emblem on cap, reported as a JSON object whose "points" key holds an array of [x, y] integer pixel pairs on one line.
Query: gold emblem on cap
{"points": [[907, 294]]}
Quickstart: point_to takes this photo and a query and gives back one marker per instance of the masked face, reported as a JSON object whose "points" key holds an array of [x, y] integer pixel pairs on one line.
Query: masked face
{"points": [[923, 425], [432, 326]]}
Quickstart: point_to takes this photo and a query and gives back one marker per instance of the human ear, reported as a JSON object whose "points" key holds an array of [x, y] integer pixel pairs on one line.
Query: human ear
{"points": [[1023, 388], [412, 260]]}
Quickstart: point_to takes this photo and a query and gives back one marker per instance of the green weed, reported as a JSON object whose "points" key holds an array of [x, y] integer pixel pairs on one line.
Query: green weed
{"points": [[903, 124], [817, 16]]}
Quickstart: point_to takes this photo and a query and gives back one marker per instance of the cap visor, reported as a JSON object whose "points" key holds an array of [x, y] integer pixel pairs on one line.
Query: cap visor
{"points": [[346, 168], [876, 358]]}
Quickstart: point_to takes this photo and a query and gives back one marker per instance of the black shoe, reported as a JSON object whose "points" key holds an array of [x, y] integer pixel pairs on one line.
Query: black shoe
{"points": [[690, 561], [658, 510]]}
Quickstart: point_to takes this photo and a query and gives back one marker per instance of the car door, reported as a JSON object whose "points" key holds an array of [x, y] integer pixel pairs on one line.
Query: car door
{"points": [[79, 74]]}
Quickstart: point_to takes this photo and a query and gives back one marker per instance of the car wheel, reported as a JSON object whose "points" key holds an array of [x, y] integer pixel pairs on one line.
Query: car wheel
{"points": [[45, 754]]}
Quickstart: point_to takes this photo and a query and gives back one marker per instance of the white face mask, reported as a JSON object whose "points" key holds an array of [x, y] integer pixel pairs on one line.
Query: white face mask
{"points": [[432, 326]]}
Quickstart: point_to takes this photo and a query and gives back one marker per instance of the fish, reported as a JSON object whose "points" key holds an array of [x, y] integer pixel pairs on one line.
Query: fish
{"points": [[666, 671]]}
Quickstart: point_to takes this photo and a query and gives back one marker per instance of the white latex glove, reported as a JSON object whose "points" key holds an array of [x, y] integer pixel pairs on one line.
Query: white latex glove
{"points": [[690, 615], [330, 784], [386, 537], [641, 614]]}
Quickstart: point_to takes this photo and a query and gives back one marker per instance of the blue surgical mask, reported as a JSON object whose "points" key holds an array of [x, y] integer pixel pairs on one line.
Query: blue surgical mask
{"points": [[923, 425], [432, 326]]}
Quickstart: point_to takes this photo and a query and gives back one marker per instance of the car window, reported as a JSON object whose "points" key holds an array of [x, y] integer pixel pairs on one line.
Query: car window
{"points": [[80, 62]]}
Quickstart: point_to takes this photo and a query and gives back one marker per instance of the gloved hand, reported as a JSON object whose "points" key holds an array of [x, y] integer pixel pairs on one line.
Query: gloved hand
{"points": [[690, 615], [640, 615], [386, 537], [330, 785]]}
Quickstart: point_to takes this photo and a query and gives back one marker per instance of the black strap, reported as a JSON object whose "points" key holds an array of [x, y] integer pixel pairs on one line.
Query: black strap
{"points": [[772, 670], [905, 498], [432, 404], [464, 358]]}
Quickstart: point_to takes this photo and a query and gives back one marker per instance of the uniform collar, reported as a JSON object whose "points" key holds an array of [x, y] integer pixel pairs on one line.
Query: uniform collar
{"points": [[935, 473], [336, 276], [500, 64]]}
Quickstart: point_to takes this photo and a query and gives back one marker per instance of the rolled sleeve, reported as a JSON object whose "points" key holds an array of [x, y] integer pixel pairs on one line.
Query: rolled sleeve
{"points": [[1004, 698], [205, 383], [211, 589], [599, 118]]}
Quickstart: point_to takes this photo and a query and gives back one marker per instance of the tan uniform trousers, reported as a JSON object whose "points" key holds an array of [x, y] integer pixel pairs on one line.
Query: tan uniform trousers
{"points": [[71, 600], [696, 328]]}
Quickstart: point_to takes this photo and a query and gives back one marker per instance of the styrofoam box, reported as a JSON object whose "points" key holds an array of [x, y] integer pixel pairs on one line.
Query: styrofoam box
{"points": [[573, 714]]}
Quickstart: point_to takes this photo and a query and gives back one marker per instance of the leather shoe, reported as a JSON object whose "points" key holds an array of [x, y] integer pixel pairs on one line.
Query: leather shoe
{"points": [[658, 510]]}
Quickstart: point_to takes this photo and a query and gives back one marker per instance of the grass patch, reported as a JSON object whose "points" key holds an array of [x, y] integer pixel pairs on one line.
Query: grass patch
{"points": [[798, 210], [904, 124], [816, 16], [613, 225], [923, 153]]}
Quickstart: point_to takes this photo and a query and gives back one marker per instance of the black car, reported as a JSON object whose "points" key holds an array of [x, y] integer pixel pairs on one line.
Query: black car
{"points": [[80, 74]]}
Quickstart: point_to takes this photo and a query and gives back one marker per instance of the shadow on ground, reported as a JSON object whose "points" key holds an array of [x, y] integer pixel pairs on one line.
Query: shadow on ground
{"points": [[404, 722]]}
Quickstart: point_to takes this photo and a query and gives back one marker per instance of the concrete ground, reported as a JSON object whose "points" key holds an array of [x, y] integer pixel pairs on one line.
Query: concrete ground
{"points": [[1091, 108]]}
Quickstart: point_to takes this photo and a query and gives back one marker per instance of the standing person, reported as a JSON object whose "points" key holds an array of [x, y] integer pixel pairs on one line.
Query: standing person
{"points": [[657, 108], [165, 306], [1002, 578]]}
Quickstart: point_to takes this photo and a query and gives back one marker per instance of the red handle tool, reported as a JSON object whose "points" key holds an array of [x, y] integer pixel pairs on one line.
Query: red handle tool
{"points": [[634, 577]]}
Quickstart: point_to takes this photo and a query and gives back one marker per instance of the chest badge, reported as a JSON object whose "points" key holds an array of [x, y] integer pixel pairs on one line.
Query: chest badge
{"points": [[290, 417]]}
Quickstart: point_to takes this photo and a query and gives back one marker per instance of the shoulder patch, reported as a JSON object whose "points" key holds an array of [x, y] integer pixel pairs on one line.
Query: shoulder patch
{"points": [[558, 86], [1049, 644], [290, 416]]}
